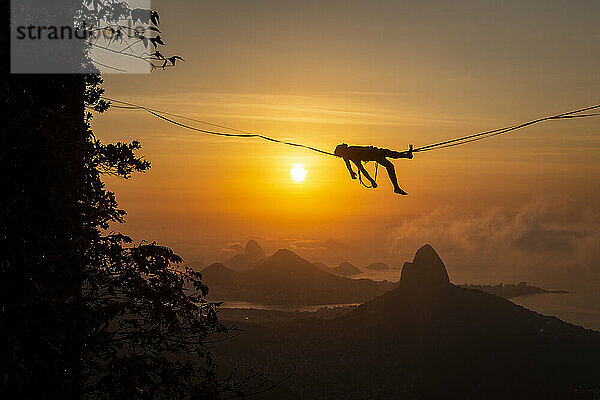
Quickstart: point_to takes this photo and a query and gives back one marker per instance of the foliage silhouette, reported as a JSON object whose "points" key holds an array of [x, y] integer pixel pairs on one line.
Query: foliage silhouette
{"points": [[105, 18], [85, 314]]}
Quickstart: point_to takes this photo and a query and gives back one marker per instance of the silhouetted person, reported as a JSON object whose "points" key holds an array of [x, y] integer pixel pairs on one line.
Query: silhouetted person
{"points": [[358, 154]]}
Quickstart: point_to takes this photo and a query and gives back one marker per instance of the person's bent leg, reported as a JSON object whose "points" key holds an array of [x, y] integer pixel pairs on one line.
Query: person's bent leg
{"points": [[394, 154], [392, 174], [399, 154]]}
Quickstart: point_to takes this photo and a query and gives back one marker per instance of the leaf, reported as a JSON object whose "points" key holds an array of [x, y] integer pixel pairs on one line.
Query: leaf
{"points": [[154, 17], [174, 59], [156, 40]]}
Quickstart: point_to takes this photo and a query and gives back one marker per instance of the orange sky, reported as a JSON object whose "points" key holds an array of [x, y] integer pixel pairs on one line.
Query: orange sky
{"points": [[382, 73]]}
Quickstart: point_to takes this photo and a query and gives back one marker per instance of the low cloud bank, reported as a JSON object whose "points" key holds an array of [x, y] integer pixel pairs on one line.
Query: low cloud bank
{"points": [[551, 240]]}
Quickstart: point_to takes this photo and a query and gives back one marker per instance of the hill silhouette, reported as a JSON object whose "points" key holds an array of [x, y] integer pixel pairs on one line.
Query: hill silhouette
{"points": [[429, 339], [287, 279], [345, 269], [321, 266], [217, 272], [253, 253], [378, 266]]}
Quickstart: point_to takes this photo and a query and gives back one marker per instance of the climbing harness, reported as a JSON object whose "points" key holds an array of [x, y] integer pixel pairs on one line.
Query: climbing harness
{"points": [[374, 177]]}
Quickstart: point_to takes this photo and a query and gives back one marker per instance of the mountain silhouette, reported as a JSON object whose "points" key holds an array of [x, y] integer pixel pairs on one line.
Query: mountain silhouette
{"points": [[322, 266], [429, 339], [378, 266], [217, 272], [253, 253], [426, 269], [345, 269], [287, 279]]}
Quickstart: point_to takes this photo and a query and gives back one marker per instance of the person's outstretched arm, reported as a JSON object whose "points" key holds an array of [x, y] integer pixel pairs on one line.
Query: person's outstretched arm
{"points": [[352, 173], [361, 169]]}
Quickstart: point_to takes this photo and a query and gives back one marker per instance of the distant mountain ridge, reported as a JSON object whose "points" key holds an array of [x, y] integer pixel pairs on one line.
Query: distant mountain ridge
{"points": [[343, 269], [378, 266], [510, 291], [429, 339], [285, 278], [253, 253], [217, 272], [222, 278]]}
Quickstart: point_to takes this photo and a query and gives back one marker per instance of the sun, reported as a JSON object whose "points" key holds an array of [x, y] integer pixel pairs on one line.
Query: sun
{"points": [[298, 173]]}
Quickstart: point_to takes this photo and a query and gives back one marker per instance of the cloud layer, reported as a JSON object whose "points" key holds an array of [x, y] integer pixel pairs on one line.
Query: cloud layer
{"points": [[552, 239]]}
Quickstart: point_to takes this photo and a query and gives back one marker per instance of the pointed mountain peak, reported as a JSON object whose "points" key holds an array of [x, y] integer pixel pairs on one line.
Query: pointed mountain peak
{"points": [[285, 261], [216, 265], [253, 251], [286, 254], [426, 269], [217, 273], [219, 267]]}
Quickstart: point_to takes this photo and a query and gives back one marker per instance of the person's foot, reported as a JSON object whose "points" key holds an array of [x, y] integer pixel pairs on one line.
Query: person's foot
{"points": [[400, 191]]}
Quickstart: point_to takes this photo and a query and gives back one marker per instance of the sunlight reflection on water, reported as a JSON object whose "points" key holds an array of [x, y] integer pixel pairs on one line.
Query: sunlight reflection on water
{"points": [[579, 308], [247, 304]]}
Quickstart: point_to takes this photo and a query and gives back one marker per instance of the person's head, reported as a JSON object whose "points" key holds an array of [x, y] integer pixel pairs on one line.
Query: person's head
{"points": [[341, 150]]}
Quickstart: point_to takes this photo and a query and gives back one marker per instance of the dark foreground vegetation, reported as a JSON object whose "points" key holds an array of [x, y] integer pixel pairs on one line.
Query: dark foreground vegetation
{"points": [[84, 312]]}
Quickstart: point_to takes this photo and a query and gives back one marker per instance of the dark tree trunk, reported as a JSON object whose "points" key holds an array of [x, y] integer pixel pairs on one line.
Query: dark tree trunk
{"points": [[43, 141]]}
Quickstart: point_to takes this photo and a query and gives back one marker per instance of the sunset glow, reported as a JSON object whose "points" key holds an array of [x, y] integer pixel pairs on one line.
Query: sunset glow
{"points": [[298, 173], [372, 80]]}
